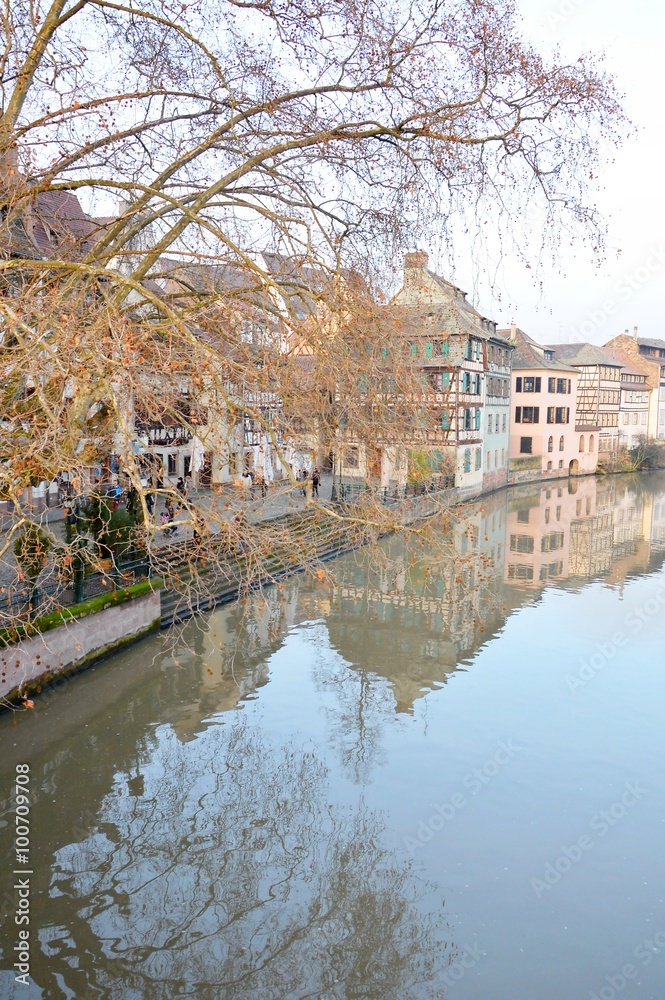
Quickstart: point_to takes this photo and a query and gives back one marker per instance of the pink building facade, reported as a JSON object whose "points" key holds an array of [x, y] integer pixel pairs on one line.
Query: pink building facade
{"points": [[545, 440]]}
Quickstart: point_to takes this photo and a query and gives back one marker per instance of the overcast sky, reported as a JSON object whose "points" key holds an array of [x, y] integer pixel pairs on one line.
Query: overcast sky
{"points": [[585, 300]]}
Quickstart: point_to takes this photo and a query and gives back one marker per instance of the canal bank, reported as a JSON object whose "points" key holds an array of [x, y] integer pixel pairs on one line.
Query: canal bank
{"points": [[91, 631], [386, 763]]}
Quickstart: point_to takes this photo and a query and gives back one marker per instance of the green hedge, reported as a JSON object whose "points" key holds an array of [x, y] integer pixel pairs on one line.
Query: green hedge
{"points": [[9, 636]]}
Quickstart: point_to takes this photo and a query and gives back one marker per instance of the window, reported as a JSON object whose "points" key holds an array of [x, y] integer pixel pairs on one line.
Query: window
{"points": [[518, 384], [562, 384], [441, 348], [529, 383], [473, 349], [503, 422], [626, 418], [414, 350], [467, 460], [440, 381], [561, 445], [551, 385], [526, 445], [581, 443], [445, 420], [558, 414], [549, 467], [553, 569], [520, 572], [561, 463], [558, 515], [528, 414], [171, 459], [550, 443], [428, 350], [523, 515], [489, 423], [521, 543], [479, 458], [578, 508], [351, 458], [478, 419], [496, 457], [489, 460], [503, 456], [553, 541], [591, 443]]}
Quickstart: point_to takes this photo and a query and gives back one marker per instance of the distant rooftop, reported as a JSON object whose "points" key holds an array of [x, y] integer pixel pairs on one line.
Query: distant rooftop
{"points": [[584, 354], [529, 355]]}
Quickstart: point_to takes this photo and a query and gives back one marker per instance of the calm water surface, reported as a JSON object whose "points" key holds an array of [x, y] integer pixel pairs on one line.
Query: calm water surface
{"points": [[438, 773]]}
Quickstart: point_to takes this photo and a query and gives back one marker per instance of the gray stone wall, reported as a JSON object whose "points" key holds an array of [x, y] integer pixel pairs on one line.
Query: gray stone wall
{"points": [[76, 644]]}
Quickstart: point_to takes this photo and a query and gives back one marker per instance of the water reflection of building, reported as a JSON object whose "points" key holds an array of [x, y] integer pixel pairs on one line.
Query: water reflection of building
{"points": [[231, 652], [658, 524], [588, 528], [538, 535], [423, 610]]}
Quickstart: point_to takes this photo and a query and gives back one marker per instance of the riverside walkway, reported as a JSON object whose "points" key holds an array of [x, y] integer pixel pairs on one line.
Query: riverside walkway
{"points": [[289, 534]]}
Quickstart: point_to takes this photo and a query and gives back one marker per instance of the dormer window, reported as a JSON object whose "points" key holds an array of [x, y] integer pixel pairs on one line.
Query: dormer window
{"points": [[549, 355]]}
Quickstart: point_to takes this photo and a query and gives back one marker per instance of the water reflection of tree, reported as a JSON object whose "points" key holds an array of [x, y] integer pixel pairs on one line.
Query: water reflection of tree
{"points": [[363, 705], [234, 877]]}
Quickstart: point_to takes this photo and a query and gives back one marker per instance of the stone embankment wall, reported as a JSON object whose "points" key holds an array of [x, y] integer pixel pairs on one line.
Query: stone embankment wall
{"points": [[77, 637]]}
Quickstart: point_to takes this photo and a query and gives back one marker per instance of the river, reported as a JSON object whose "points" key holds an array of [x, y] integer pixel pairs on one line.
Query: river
{"points": [[436, 772]]}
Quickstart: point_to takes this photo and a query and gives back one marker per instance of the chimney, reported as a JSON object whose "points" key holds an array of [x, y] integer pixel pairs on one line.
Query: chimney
{"points": [[635, 332], [415, 265], [513, 331], [416, 260], [9, 172]]}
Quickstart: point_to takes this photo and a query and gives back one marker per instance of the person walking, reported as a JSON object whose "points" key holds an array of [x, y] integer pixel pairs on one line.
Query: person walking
{"points": [[316, 479], [170, 509]]}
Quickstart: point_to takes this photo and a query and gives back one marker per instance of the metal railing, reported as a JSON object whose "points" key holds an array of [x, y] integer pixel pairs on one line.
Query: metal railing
{"points": [[24, 602], [346, 493]]}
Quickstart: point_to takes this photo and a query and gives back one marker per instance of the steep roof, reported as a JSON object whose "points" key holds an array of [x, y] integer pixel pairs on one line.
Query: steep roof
{"points": [[48, 224], [528, 354], [426, 294], [583, 354], [625, 361], [650, 342], [525, 356], [471, 315]]}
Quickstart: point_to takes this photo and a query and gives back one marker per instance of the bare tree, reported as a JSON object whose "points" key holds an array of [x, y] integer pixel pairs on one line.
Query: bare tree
{"points": [[197, 202]]}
